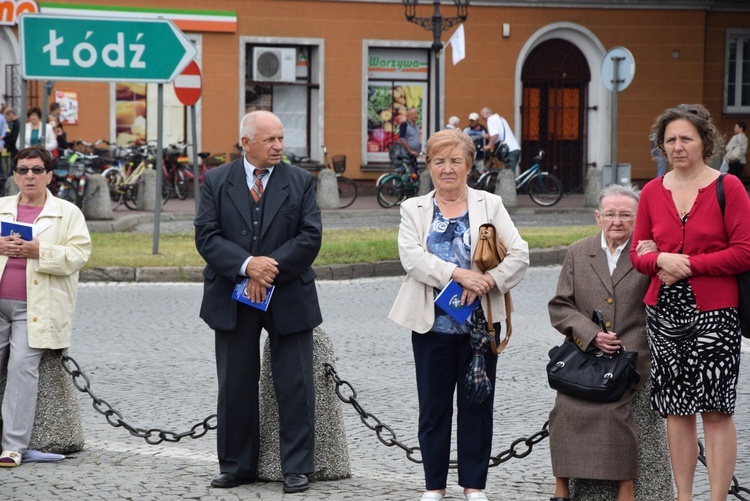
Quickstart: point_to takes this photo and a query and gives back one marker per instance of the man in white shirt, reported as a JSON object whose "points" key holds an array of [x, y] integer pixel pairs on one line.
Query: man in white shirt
{"points": [[500, 132]]}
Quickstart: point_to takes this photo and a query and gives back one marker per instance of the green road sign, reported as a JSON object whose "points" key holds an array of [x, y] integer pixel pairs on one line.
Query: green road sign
{"points": [[102, 49]]}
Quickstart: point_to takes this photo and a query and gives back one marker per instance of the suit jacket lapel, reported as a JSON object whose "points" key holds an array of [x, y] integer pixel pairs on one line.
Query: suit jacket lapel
{"points": [[238, 191], [599, 263], [624, 266], [274, 196]]}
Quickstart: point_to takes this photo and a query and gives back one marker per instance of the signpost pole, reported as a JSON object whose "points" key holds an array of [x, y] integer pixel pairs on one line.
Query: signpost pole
{"points": [[159, 163], [196, 166], [22, 114], [613, 157]]}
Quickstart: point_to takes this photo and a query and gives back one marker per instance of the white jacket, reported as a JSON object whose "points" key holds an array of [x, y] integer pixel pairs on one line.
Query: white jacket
{"points": [[52, 280], [414, 307], [50, 139]]}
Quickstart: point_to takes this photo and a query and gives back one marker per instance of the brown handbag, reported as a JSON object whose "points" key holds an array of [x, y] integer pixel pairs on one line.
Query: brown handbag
{"points": [[489, 253]]}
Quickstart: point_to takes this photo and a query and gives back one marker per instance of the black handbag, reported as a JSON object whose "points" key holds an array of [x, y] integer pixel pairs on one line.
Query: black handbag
{"points": [[595, 375], [501, 151], [743, 279]]}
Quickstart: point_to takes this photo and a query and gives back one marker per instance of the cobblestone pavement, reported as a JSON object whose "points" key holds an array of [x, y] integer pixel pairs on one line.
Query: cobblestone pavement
{"points": [[148, 354]]}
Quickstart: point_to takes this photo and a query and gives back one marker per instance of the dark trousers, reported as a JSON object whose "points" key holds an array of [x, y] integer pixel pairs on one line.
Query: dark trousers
{"points": [[441, 362], [238, 368], [735, 168]]}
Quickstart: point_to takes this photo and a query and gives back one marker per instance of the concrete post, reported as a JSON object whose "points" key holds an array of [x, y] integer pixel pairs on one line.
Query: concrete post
{"points": [[331, 452], [328, 190], [57, 424], [506, 187], [147, 191], [593, 187], [97, 205]]}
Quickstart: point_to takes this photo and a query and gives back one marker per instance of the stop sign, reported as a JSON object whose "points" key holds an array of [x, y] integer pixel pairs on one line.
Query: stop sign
{"points": [[188, 84]]}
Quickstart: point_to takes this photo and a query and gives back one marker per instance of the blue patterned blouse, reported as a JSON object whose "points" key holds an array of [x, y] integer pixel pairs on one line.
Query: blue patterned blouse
{"points": [[450, 240]]}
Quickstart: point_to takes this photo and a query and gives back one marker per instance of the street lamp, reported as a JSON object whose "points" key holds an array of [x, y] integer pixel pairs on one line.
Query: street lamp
{"points": [[437, 24]]}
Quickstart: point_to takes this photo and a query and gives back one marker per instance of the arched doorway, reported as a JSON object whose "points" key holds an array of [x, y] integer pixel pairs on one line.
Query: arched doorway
{"points": [[555, 78], [10, 75]]}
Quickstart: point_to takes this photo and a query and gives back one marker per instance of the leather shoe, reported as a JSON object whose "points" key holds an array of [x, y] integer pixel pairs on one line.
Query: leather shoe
{"points": [[559, 499], [295, 482], [229, 480]]}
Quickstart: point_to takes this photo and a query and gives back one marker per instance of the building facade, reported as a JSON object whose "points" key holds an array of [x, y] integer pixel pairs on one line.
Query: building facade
{"points": [[343, 73]]}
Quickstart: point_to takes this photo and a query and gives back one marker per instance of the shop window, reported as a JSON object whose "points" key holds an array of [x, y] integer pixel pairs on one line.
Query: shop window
{"points": [[279, 79], [737, 72], [396, 81]]}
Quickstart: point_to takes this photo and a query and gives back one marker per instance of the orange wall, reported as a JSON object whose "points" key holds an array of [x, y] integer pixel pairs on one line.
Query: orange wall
{"points": [[485, 78]]}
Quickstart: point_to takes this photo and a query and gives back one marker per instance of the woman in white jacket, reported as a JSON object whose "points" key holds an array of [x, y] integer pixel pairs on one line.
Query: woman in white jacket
{"points": [[436, 240], [736, 150], [38, 289], [33, 132]]}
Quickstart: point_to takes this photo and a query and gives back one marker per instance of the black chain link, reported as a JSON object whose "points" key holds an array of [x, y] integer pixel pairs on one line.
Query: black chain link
{"points": [[378, 427], [152, 436], [155, 436]]}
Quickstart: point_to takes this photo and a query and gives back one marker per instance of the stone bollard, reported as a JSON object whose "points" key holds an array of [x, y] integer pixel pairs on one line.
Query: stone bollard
{"points": [[331, 453], [654, 470], [97, 204], [506, 187], [425, 183], [593, 187], [11, 188], [328, 190], [147, 191], [57, 423]]}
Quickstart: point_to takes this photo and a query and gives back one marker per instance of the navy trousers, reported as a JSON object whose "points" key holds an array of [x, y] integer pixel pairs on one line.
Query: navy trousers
{"points": [[441, 362]]}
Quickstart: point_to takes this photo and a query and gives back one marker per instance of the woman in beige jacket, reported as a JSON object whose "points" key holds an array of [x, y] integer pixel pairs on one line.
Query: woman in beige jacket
{"points": [[38, 289], [437, 238]]}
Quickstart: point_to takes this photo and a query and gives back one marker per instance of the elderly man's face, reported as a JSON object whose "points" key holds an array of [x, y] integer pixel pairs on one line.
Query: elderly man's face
{"points": [[616, 218]]}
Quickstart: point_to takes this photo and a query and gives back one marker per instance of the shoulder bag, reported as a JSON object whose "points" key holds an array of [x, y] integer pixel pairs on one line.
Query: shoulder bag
{"points": [[594, 375], [489, 253], [734, 153], [743, 279]]}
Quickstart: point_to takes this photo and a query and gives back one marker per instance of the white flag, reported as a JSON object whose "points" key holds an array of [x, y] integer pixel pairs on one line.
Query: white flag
{"points": [[458, 43]]}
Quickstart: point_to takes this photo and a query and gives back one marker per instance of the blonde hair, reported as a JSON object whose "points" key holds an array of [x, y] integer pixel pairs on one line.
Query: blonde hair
{"points": [[450, 138]]}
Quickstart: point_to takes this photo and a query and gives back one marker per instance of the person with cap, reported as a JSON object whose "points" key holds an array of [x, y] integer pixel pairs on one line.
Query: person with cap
{"points": [[478, 133]]}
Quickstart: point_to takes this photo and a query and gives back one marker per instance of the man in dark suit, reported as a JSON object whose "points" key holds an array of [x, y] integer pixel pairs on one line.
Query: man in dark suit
{"points": [[258, 218]]}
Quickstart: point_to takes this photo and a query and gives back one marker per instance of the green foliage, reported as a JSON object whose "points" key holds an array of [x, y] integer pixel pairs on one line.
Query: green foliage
{"points": [[364, 245]]}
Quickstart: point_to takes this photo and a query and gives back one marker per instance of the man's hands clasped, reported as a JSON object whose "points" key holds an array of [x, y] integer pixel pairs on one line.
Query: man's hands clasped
{"points": [[261, 271]]}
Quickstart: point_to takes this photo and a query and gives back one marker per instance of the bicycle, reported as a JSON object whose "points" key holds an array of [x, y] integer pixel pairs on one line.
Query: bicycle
{"points": [[395, 188], [173, 172], [123, 181], [347, 188], [544, 188]]}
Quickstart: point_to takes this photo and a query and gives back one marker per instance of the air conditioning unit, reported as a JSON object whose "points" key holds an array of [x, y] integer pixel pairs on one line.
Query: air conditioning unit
{"points": [[273, 64]]}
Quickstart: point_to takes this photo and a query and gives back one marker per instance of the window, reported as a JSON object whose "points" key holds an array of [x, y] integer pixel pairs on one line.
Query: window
{"points": [[278, 79], [396, 81], [737, 72]]}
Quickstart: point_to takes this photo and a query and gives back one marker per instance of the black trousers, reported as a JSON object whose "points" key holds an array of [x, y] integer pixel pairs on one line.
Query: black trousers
{"points": [[441, 362], [736, 168], [238, 368]]}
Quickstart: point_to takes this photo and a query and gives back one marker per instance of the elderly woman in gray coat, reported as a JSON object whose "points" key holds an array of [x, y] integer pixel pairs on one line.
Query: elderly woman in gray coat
{"points": [[588, 439]]}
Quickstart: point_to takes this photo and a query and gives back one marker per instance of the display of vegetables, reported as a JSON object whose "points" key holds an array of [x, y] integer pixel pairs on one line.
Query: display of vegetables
{"points": [[386, 110]]}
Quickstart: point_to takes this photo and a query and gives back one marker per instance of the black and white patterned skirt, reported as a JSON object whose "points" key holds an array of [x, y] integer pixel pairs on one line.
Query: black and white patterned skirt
{"points": [[695, 356]]}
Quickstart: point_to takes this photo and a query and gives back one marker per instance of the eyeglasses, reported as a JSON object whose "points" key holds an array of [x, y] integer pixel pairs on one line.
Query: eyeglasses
{"points": [[25, 170], [624, 216]]}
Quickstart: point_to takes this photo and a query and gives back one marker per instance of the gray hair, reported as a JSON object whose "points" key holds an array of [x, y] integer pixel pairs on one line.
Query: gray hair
{"points": [[486, 110], [631, 191], [248, 124]]}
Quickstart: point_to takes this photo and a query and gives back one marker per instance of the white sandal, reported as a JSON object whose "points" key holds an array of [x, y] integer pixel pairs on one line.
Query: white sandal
{"points": [[432, 496], [10, 459], [476, 496]]}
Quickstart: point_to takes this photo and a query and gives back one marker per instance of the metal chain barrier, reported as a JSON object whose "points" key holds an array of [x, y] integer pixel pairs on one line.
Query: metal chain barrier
{"points": [[152, 436], [385, 434]]}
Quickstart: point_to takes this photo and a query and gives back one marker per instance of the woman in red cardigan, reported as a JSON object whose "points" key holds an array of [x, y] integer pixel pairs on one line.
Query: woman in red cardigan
{"points": [[693, 254]]}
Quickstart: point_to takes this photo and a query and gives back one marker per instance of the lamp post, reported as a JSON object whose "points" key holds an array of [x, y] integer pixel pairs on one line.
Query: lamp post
{"points": [[437, 23]]}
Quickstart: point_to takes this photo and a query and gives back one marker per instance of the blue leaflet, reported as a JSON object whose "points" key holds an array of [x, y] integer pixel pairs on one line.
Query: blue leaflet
{"points": [[239, 295], [450, 302]]}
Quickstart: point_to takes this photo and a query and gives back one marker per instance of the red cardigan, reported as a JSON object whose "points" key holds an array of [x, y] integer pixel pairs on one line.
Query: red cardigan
{"points": [[704, 237]]}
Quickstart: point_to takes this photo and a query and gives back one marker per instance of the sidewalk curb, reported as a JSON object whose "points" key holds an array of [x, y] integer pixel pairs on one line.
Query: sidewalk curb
{"points": [[187, 274]]}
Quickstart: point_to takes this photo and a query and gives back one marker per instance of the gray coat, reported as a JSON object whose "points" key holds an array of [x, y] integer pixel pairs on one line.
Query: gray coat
{"points": [[592, 439]]}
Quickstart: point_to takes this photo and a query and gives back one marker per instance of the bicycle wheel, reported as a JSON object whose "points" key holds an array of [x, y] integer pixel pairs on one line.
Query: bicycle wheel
{"points": [[130, 196], [67, 191], [114, 182], [391, 191], [545, 189], [180, 184], [487, 181], [347, 191]]}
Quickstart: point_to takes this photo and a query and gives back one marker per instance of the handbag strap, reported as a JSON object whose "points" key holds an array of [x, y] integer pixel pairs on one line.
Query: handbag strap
{"points": [[498, 348]]}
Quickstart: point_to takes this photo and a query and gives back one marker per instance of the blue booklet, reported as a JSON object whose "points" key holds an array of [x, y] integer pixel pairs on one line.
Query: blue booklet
{"points": [[25, 230], [449, 300], [239, 295]]}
